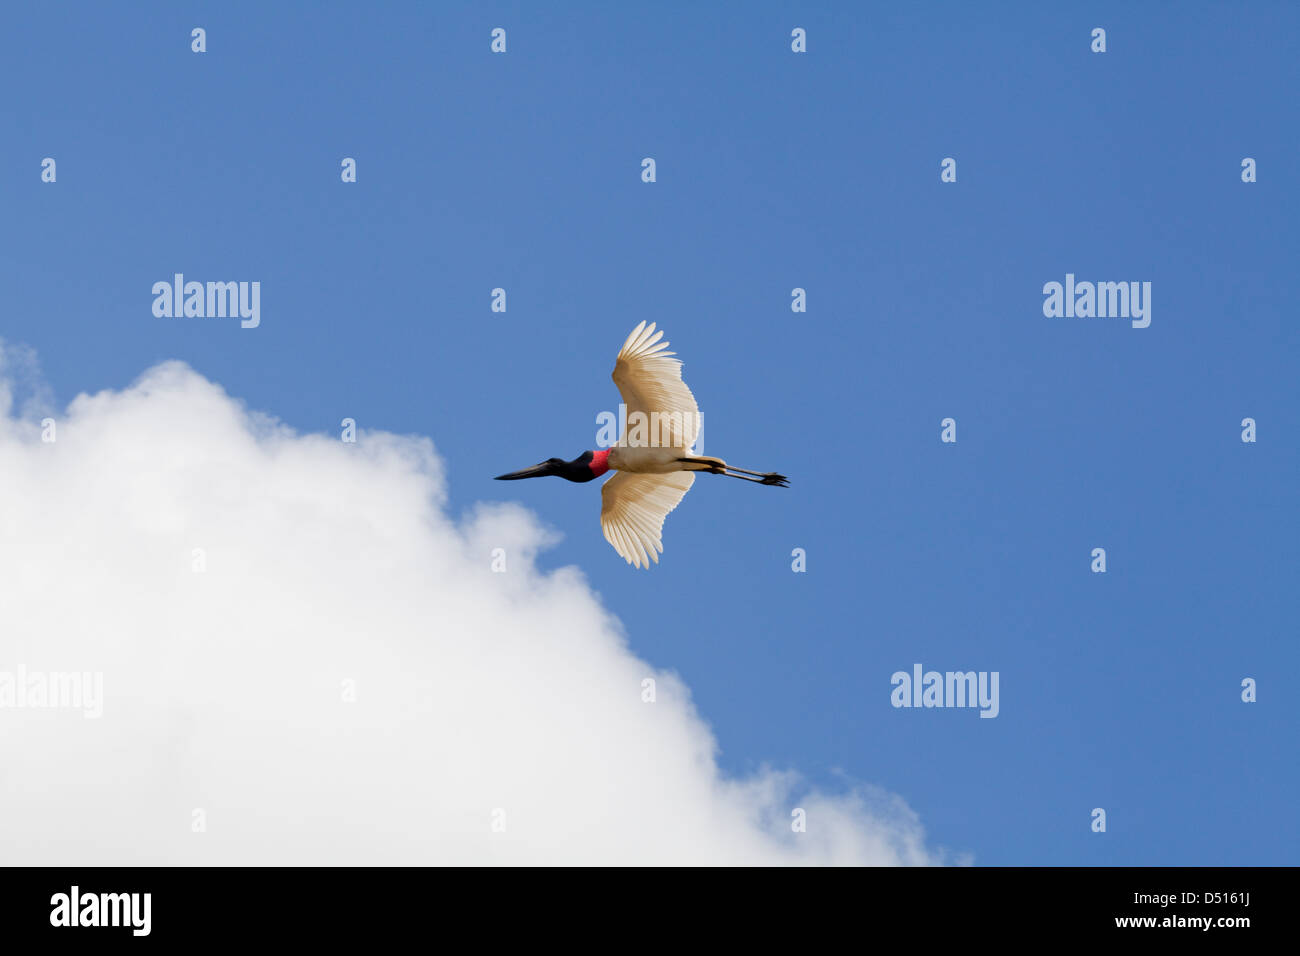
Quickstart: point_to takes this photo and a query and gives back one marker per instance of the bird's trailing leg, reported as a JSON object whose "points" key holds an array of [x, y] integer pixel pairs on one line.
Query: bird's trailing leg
{"points": [[778, 479], [716, 466]]}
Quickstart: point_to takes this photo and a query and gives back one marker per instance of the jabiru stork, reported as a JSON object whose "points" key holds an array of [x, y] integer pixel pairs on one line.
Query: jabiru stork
{"points": [[653, 478]]}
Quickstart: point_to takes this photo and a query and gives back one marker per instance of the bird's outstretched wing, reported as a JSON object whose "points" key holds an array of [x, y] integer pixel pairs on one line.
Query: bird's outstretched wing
{"points": [[650, 381], [632, 512]]}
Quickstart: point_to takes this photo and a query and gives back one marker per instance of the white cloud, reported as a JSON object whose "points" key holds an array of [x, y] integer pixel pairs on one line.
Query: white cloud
{"points": [[329, 562]]}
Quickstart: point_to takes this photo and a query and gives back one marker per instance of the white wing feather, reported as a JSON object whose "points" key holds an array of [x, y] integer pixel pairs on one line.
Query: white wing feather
{"points": [[650, 381], [632, 512]]}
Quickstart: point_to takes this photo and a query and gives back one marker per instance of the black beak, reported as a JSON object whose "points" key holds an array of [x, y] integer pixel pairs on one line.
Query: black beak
{"points": [[536, 471]]}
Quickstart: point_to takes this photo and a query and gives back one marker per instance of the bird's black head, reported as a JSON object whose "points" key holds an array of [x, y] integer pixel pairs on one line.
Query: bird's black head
{"points": [[577, 470]]}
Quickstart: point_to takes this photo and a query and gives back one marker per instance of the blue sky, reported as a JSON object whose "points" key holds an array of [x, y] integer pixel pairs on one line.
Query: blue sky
{"points": [[774, 171]]}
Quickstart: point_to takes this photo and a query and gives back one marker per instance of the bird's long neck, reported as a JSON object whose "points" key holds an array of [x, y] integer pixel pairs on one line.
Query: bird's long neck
{"points": [[588, 466]]}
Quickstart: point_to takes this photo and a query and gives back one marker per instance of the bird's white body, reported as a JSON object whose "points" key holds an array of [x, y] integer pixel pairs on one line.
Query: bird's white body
{"points": [[651, 479], [657, 461]]}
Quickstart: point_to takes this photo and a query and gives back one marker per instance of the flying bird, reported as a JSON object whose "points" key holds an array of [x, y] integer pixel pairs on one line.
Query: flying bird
{"points": [[654, 472]]}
